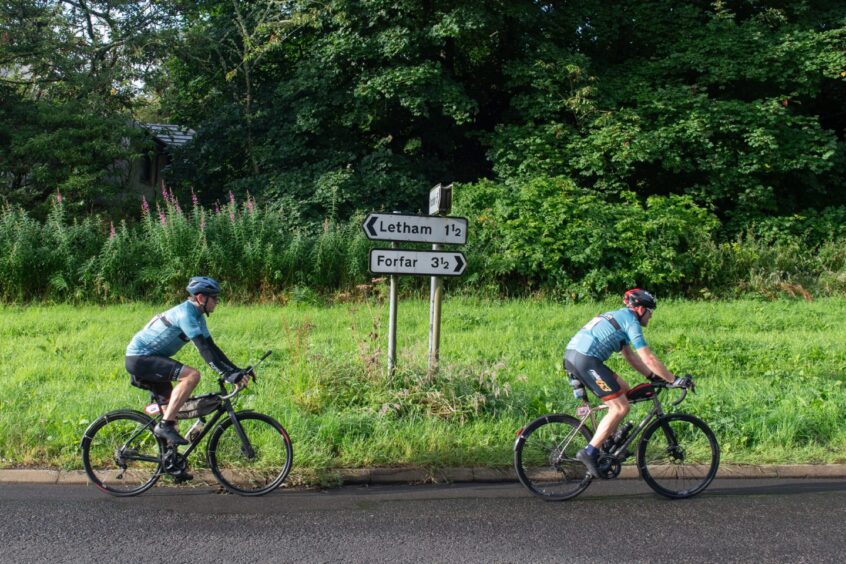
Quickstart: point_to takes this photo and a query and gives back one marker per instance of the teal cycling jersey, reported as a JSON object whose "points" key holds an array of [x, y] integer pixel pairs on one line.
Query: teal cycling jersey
{"points": [[599, 338], [168, 332]]}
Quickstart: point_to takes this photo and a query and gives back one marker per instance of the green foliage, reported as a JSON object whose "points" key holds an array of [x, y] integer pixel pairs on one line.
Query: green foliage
{"points": [[328, 109], [68, 79], [255, 252], [541, 236], [555, 236], [730, 104]]}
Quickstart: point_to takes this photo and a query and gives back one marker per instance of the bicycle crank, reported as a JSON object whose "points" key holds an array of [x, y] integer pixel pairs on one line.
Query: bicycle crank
{"points": [[609, 466]]}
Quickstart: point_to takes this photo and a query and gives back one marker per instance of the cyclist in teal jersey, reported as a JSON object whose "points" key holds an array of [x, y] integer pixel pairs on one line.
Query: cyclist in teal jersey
{"points": [[615, 331], [148, 354]]}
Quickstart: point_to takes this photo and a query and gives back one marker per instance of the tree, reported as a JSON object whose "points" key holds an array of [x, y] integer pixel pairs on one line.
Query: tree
{"points": [[366, 103], [734, 103], [70, 73]]}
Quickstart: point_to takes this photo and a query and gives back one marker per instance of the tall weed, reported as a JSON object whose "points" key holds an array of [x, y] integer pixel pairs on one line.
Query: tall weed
{"points": [[542, 236]]}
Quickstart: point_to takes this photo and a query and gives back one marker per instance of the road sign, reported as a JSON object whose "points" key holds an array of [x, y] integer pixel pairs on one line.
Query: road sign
{"points": [[421, 263], [440, 200], [415, 228]]}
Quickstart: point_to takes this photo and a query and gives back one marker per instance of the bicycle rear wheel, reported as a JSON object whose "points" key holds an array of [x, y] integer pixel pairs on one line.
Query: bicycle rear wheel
{"points": [[678, 456], [545, 457], [256, 467], [120, 453]]}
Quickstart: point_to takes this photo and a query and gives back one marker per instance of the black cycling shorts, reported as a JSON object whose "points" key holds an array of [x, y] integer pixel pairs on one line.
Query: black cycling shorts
{"points": [[594, 374], [154, 373]]}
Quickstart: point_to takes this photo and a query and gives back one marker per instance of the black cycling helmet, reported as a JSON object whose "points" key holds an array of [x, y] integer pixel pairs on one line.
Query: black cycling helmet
{"points": [[203, 285], [637, 297]]}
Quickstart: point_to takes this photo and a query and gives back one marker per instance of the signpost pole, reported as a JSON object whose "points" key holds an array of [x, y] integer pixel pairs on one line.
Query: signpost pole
{"points": [[440, 204], [392, 324], [436, 295]]}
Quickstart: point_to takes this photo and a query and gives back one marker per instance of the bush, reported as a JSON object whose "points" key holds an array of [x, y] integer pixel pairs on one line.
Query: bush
{"points": [[255, 252], [550, 235], [543, 235]]}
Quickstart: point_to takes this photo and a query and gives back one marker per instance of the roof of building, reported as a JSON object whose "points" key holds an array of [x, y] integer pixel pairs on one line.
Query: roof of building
{"points": [[170, 135]]}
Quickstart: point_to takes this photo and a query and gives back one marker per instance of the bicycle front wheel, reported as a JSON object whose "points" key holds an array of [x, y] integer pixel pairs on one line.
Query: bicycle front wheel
{"points": [[545, 457], [678, 456], [120, 453], [255, 463]]}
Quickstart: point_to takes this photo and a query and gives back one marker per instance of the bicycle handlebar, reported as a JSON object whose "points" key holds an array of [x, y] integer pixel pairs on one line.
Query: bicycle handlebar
{"points": [[670, 386], [247, 370]]}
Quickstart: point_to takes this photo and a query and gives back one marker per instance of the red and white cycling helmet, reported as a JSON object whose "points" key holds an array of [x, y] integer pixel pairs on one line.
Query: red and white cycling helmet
{"points": [[637, 297]]}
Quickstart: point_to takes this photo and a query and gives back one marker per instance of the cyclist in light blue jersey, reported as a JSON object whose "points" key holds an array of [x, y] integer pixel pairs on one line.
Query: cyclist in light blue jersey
{"points": [[148, 354], [615, 331]]}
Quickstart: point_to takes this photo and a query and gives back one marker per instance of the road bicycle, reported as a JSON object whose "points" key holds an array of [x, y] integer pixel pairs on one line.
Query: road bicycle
{"points": [[677, 455], [249, 453]]}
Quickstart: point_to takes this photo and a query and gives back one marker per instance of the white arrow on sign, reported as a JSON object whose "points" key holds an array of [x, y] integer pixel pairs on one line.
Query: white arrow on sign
{"points": [[415, 228], [421, 263]]}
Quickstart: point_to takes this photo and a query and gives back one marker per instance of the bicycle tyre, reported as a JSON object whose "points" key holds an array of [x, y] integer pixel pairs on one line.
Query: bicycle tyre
{"points": [[547, 467], [678, 456], [267, 468], [120, 453]]}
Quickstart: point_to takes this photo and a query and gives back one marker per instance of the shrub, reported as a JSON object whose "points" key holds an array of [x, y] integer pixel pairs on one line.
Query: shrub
{"points": [[542, 235], [553, 236]]}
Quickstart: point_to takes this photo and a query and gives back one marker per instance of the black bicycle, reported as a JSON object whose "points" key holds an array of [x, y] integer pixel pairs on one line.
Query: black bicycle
{"points": [[677, 455], [249, 453]]}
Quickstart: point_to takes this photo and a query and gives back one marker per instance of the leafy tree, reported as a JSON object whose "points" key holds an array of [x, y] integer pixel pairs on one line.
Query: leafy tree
{"points": [[69, 76], [366, 103], [730, 102]]}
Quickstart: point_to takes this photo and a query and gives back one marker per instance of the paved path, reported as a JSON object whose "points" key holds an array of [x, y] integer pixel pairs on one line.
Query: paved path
{"points": [[619, 521]]}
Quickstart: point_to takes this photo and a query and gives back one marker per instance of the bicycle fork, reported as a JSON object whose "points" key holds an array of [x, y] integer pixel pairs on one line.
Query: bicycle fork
{"points": [[246, 447]]}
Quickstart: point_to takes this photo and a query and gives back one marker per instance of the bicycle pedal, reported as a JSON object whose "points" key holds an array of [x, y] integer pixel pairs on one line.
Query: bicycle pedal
{"points": [[182, 477]]}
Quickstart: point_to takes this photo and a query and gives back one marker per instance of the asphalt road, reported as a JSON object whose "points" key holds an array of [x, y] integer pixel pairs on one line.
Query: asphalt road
{"points": [[619, 521]]}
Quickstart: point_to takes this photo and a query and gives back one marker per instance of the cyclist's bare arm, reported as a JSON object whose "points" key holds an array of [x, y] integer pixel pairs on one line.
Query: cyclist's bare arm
{"points": [[644, 361]]}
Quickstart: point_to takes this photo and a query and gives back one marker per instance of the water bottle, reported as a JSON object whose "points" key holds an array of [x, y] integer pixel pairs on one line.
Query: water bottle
{"points": [[578, 388], [196, 429], [622, 434]]}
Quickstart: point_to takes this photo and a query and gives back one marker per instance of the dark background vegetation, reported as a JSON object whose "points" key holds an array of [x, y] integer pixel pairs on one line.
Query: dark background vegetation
{"points": [[693, 147]]}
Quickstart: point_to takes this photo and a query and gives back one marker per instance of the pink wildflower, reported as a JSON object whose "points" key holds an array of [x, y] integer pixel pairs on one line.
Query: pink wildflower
{"points": [[194, 199], [145, 207], [251, 203], [112, 232], [231, 198], [162, 216], [216, 208], [59, 196]]}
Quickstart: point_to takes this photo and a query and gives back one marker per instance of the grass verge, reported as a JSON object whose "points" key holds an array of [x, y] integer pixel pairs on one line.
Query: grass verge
{"points": [[770, 377]]}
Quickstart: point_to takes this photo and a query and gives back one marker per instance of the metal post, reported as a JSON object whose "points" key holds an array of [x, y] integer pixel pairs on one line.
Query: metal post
{"points": [[435, 296], [392, 324]]}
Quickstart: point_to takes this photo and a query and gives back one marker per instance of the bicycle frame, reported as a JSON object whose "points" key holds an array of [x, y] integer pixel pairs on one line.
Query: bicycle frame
{"points": [[225, 407], [621, 451]]}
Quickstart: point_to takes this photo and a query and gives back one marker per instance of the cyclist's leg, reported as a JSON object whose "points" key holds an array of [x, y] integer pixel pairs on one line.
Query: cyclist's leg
{"points": [[606, 385], [157, 372], [618, 408], [187, 379], [153, 373]]}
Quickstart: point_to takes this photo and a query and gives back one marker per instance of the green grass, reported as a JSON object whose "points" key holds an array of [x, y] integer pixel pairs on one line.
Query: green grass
{"points": [[770, 377]]}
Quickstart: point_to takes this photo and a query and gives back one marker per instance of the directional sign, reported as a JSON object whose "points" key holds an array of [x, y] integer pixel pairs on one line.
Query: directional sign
{"points": [[440, 200], [421, 263], [415, 228]]}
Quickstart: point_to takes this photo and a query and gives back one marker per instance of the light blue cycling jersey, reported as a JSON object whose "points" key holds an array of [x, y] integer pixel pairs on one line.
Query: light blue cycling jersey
{"points": [[599, 339], [168, 332]]}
